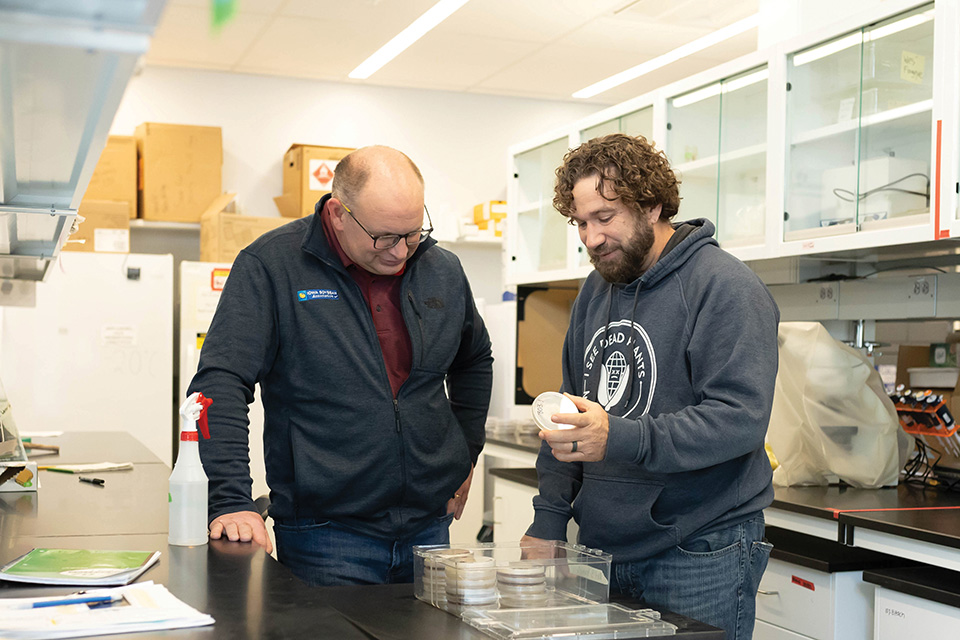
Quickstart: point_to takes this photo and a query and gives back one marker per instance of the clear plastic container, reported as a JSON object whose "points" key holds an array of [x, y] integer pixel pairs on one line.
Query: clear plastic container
{"points": [[504, 575], [586, 622]]}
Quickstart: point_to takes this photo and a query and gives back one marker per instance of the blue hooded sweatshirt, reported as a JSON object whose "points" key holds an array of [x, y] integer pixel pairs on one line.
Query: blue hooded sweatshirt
{"points": [[684, 360]]}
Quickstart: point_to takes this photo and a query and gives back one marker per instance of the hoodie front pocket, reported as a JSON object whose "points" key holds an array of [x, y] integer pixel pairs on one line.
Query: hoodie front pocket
{"points": [[615, 514]]}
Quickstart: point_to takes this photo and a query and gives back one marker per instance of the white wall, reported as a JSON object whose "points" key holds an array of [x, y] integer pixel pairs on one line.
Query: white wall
{"points": [[458, 140]]}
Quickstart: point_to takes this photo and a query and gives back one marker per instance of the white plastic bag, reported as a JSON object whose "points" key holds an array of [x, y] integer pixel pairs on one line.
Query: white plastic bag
{"points": [[831, 417]]}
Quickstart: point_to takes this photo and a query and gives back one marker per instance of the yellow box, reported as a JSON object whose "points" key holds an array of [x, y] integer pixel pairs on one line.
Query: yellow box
{"points": [[179, 170], [307, 176], [224, 234], [115, 177], [490, 210]]}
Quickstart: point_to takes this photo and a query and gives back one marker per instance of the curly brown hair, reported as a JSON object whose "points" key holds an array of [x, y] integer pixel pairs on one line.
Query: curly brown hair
{"points": [[640, 175]]}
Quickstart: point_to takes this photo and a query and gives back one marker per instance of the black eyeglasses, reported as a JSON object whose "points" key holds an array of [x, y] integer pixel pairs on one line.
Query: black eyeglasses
{"points": [[390, 240]]}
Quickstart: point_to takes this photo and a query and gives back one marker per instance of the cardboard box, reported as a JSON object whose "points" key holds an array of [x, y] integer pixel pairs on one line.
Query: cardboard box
{"points": [[307, 176], [909, 357], [105, 228], [224, 234], [179, 170], [115, 177], [543, 315]]}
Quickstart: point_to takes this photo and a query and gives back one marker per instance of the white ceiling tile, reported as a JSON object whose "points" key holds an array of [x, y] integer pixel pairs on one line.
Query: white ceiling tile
{"points": [[396, 13], [556, 71], [644, 39], [526, 21], [243, 6], [704, 14], [184, 35], [536, 48], [458, 61], [313, 49]]}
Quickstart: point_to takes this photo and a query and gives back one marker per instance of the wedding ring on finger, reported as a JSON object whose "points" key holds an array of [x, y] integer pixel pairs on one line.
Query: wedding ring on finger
{"points": [[574, 449]]}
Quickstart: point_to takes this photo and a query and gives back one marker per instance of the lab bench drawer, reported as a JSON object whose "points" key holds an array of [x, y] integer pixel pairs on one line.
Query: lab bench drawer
{"points": [[766, 631], [900, 615], [823, 606]]}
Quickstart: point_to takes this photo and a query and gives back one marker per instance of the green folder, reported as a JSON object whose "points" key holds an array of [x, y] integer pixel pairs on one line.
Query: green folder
{"points": [[79, 567]]}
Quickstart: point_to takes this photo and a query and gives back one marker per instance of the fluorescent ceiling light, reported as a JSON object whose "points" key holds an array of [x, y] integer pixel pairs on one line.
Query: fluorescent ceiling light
{"points": [[855, 39], [696, 96], [683, 51], [433, 16], [717, 88], [745, 81]]}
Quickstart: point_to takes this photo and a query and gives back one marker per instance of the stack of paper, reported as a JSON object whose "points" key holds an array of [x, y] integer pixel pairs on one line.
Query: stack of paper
{"points": [[138, 607]]}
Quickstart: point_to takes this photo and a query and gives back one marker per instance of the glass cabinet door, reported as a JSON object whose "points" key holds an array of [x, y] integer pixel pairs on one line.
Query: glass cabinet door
{"points": [[635, 123], [741, 189], [693, 143], [859, 130], [716, 142], [541, 232]]}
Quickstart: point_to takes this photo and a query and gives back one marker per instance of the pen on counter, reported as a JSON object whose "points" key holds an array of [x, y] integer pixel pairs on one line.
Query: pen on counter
{"points": [[97, 481], [90, 600], [44, 447], [55, 469]]}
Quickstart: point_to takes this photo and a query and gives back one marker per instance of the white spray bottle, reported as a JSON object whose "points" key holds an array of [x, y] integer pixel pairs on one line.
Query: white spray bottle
{"points": [[188, 482]]}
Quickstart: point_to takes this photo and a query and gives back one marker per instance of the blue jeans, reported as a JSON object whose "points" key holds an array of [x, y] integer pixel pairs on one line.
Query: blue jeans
{"points": [[326, 554], [712, 578]]}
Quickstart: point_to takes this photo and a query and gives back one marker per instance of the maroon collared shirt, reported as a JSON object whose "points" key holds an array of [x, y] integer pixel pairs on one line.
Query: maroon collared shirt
{"points": [[382, 294]]}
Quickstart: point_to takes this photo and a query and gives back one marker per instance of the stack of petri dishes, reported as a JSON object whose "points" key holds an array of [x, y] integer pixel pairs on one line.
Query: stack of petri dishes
{"points": [[522, 585], [471, 581], [434, 572]]}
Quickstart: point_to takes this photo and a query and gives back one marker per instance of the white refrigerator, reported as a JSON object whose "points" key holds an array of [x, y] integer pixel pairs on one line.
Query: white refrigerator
{"points": [[95, 353]]}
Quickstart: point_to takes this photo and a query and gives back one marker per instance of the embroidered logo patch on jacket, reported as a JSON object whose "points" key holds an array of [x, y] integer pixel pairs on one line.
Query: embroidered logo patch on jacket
{"points": [[318, 294]]}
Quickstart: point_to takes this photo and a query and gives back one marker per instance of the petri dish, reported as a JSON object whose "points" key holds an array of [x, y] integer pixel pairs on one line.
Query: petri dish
{"points": [[548, 403]]}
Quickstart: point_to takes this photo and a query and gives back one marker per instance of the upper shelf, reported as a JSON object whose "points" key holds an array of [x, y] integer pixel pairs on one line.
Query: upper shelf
{"points": [[64, 66], [924, 106]]}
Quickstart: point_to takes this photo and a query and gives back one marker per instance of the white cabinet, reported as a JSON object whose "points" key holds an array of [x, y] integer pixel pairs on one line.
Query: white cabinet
{"points": [[539, 238], [513, 511], [899, 615], [814, 604], [846, 138], [860, 134], [766, 631]]}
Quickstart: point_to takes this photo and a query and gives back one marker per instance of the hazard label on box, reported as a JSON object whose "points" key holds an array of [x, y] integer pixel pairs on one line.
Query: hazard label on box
{"points": [[217, 278], [321, 174]]}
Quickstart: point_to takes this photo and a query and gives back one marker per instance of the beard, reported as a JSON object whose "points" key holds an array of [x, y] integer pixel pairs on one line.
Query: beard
{"points": [[633, 254]]}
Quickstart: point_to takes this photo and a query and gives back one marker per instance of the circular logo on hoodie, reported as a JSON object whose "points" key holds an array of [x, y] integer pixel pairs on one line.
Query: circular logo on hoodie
{"points": [[620, 369]]}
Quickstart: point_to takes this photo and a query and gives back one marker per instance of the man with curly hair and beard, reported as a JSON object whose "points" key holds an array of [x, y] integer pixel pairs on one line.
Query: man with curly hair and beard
{"points": [[671, 359]]}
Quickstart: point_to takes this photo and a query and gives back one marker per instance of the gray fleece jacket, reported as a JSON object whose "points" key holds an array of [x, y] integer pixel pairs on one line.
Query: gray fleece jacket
{"points": [[337, 444], [684, 360]]}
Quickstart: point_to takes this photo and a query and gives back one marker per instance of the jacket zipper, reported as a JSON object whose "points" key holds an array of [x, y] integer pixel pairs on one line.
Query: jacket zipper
{"points": [[416, 312], [403, 472]]}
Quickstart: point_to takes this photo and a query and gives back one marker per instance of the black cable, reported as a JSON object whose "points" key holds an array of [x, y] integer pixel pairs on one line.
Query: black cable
{"points": [[840, 277], [849, 196]]}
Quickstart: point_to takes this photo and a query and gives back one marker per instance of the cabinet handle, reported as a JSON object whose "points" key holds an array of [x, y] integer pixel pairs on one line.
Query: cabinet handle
{"points": [[761, 592]]}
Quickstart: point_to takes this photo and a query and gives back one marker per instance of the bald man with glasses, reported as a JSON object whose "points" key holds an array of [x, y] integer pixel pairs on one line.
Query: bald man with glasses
{"points": [[375, 371]]}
